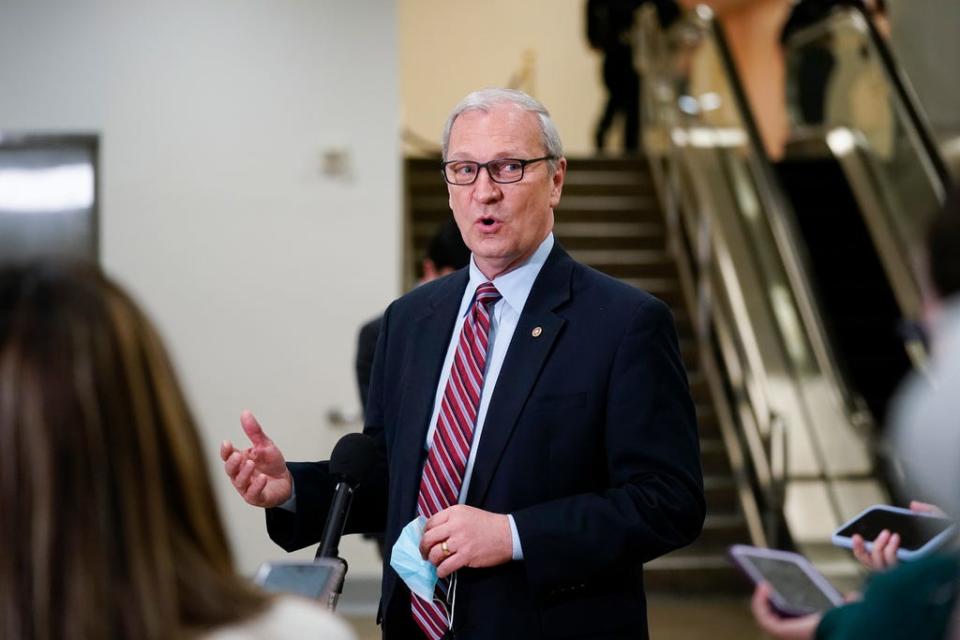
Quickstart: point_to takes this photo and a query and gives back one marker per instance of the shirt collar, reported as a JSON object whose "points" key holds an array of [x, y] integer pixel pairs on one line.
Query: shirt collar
{"points": [[515, 285]]}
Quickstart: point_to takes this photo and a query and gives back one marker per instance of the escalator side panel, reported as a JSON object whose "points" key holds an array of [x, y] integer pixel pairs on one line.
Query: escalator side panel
{"points": [[860, 309]]}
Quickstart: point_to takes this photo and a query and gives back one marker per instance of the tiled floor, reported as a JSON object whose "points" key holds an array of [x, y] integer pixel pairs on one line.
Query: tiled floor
{"points": [[671, 618]]}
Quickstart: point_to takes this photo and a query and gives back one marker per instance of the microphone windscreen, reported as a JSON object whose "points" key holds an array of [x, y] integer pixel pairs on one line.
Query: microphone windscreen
{"points": [[353, 458]]}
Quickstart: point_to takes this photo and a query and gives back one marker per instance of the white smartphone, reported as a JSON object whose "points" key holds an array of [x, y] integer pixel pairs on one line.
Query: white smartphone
{"points": [[317, 580], [797, 588], [920, 533]]}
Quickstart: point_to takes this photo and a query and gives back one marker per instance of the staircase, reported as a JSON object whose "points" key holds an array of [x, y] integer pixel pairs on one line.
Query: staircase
{"points": [[609, 218]]}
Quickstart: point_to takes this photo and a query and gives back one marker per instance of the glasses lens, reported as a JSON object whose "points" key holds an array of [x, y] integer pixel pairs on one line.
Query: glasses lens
{"points": [[506, 170], [461, 172]]}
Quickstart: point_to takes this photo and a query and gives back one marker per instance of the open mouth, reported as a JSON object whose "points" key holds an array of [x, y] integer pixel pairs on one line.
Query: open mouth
{"points": [[488, 222]]}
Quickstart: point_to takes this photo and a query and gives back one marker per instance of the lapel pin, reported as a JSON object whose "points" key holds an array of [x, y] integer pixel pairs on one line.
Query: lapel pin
{"points": [[536, 332]]}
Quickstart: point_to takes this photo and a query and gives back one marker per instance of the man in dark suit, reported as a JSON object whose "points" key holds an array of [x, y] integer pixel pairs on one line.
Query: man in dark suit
{"points": [[533, 411]]}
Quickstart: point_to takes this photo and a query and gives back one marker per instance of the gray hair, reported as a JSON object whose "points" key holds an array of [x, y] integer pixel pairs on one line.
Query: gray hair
{"points": [[485, 99]]}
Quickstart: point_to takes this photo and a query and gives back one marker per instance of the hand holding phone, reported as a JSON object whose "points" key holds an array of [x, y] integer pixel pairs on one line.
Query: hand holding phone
{"points": [[777, 626], [881, 535], [796, 587]]}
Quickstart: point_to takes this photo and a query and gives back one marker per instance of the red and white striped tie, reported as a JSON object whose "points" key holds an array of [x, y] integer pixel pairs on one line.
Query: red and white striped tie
{"points": [[450, 448]]}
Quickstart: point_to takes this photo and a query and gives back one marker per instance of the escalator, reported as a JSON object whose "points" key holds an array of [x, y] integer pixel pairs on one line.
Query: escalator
{"points": [[861, 312], [863, 174], [801, 271]]}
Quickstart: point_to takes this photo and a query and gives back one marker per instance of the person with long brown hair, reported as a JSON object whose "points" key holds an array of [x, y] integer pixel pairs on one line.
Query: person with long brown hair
{"points": [[108, 523]]}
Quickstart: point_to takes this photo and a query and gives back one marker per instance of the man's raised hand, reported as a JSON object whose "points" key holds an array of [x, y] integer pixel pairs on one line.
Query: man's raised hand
{"points": [[258, 473]]}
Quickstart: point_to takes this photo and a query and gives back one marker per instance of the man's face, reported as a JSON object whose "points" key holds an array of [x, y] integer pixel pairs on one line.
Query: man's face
{"points": [[503, 224]]}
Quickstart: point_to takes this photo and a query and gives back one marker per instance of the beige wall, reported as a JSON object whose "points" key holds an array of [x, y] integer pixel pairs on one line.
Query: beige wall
{"points": [[451, 47], [257, 267]]}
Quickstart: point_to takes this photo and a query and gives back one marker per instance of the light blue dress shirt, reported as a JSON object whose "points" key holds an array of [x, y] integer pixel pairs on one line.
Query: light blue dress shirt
{"points": [[514, 287]]}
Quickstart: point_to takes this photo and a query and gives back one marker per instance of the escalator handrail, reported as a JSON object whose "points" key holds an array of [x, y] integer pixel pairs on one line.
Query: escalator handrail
{"points": [[902, 89], [777, 204]]}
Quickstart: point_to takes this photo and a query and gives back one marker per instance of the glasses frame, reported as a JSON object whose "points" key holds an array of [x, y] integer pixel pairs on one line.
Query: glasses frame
{"points": [[485, 165]]}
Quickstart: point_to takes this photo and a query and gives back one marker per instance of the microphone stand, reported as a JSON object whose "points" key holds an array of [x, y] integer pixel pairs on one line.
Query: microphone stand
{"points": [[332, 532]]}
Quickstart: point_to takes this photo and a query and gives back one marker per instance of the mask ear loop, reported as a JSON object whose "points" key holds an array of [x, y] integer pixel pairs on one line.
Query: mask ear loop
{"points": [[453, 599], [449, 604]]}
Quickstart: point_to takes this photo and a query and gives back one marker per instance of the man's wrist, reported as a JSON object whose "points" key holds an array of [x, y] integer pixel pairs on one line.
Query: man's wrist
{"points": [[291, 503]]}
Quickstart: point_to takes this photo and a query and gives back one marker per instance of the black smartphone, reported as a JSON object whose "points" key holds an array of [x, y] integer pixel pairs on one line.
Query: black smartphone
{"points": [[920, 533]]}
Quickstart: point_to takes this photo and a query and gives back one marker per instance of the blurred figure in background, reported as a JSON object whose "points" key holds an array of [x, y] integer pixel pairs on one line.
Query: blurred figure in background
{"points": [[445, 254], [610, 30], [109, 527]]}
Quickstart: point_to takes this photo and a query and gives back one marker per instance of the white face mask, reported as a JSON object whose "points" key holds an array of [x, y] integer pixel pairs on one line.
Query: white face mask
{"points": [[418, 574]]}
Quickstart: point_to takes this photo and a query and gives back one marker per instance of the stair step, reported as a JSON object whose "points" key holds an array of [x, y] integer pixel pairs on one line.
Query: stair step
{"points": [[623, 257], [713, 456], [707, 420], [703, 566], [636, 165], [632, 203], [721, 493], [599, 229], [704, 575], [699, 388], [630, 185], [723, 529], [618, 243], [590, 177], [625, 270]]}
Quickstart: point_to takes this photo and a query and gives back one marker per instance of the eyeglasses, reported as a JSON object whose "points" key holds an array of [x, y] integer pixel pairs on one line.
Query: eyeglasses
{"points": [[501, 170]]}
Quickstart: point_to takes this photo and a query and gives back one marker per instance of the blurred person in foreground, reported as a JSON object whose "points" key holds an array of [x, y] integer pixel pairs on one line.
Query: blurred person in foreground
{"points": [[918, 599], [109, 526]]}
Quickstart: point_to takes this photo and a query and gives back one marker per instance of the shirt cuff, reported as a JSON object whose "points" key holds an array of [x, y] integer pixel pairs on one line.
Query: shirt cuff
{"points": [[291, 504], [517, 549]]}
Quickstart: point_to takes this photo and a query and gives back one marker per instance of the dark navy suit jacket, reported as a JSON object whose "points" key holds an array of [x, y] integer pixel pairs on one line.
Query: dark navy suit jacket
{"points": [[590, 441]]}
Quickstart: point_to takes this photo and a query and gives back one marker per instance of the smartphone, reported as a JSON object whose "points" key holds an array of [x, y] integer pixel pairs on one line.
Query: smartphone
{"points": [[798, 589], [920, 533], [318, 579]]}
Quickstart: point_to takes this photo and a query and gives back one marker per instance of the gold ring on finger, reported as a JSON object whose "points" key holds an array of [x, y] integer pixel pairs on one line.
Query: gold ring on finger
{"points": [[445, 548]]}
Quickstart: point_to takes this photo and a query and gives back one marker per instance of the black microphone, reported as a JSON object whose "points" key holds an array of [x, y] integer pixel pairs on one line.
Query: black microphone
{"points": [[353, 458]]}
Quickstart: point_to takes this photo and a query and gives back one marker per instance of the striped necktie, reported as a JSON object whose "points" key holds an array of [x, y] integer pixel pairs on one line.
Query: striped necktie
{"points": [[447, 459]]}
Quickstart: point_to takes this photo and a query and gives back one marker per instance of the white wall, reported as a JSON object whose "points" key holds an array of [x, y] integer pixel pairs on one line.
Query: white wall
{"points": [[450, 48], [257, 268]]}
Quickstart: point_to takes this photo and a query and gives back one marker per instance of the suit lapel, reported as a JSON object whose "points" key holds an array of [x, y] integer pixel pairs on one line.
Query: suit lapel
{"points": [[524, 360], [429, 341]]}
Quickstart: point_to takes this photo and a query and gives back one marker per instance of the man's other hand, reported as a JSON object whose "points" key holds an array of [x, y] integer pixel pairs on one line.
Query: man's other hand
{"points": [[462, 536], [258, 473]]}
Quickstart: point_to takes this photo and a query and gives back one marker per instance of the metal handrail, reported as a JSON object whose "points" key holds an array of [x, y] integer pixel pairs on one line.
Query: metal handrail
{"points": [[894, 230], [896, 79], [785, 229], [760, 430], [694, 269]]}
